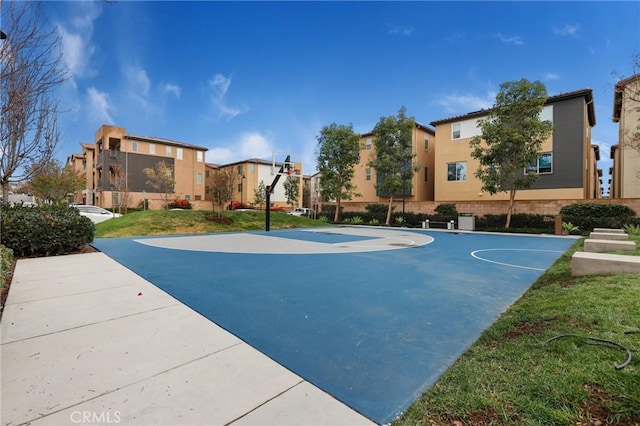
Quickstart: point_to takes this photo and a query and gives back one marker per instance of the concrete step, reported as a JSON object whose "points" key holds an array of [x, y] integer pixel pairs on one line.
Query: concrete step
{"points": [[584, 263]]}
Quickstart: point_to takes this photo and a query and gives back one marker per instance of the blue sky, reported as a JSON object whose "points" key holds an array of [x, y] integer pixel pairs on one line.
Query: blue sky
{"points": [[245, 79]]}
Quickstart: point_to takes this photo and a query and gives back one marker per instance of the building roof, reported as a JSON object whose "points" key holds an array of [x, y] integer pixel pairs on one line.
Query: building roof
{"points": [[617, 95], [87, 145], [614, 148], [418, 126], [586, 93], [164, 141], [212, 165], [596, 150]]}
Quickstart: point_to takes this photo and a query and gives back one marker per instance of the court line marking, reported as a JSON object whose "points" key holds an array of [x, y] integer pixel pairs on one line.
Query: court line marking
{"points": [[473, 254]]}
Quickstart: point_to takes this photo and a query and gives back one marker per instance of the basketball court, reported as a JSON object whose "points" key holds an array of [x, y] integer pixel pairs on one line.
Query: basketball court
{"points": [[372, 316]]}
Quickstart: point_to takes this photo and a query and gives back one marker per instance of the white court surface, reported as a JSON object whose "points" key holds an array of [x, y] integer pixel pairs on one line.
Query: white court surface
{"points": [[302, 242]]}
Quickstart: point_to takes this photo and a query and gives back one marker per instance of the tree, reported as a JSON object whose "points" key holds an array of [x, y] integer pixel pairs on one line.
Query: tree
{"points": [[511, 139], [224, 184], [118, 181], [292, 189], [629, 89], [162, 180], [31, 68], [260, 194], [393, 156], [53, 183], [338, 153]]}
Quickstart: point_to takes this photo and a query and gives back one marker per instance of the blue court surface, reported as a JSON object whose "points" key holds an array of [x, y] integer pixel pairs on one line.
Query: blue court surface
{"points": [[373, 316]]}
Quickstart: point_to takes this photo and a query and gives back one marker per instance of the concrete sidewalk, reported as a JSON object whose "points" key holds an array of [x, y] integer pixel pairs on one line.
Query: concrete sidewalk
{"points": [[87, 341]]}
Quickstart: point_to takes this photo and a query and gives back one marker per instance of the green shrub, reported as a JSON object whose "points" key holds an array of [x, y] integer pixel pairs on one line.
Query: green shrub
{"points": [[597, 210], [357, 220], [44, 230], [587, 216], [518, 221], [446, 210], [374, 222], [377, 208], [631, 228], [6, 259]]}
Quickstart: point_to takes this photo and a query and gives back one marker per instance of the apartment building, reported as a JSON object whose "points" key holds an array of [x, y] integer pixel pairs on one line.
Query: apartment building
{"points": [[625, 173], [421, 186], [114, 166], [249, 174], [566, 165]]}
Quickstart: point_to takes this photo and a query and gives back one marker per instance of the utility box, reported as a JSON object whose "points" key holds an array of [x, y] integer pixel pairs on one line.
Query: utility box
{"points": [[466, 222]]}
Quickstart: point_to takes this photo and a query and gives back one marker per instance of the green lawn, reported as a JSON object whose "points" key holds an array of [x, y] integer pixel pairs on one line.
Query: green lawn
{"points": [[509, 376], [166, 222]]}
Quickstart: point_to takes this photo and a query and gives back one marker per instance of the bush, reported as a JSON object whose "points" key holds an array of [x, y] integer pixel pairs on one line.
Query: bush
{"points": [[597, 210], [377, 208], [44, 230], [180, 204], [6, 259], [587, 216], [518, 220], [446, 210]]}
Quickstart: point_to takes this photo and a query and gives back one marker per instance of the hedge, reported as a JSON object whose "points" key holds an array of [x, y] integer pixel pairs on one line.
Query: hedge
{"points": [[6, 259], [44, 230]]}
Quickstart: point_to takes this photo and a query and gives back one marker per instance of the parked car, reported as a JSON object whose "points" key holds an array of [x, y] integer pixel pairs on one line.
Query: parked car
{"points": [[95, 213], [300, 211]]}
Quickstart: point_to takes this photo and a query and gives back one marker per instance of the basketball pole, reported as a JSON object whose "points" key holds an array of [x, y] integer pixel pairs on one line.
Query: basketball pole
{"points": [[269, 191]]}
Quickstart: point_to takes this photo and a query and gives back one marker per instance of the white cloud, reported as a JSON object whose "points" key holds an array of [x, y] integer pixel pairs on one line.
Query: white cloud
{"points": [[400, 31], [247, 145], [138, 81], [76, 36], [172, 88], [567, 30], [510, 39], [99, 106], [463, 104], [551, 76], [219, 85]]}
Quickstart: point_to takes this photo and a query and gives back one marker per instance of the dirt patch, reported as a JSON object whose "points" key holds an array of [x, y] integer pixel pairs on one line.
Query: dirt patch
{"points": [[533, 328], [219, 219]]}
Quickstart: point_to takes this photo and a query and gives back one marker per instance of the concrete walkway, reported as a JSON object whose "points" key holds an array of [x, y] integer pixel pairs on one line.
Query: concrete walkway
{"points": [[87, 341]]}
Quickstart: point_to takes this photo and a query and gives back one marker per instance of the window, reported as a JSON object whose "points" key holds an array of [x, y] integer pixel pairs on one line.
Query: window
{"points": [[543, 165], [426, 142], [187, 197], [426, 174], [199, 178], [179, 153], [152, 148], [134, 146], [207, 189], [367, 174], [367, 144], [455, 131], [240, 169], [199, 156], [457, 171], [198, 197], [168, 151], [240, 188], [206, 174]]}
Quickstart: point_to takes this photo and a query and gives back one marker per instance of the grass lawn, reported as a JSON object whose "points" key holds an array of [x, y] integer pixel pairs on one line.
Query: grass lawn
{"points": [[166, 222], [510, 376]]}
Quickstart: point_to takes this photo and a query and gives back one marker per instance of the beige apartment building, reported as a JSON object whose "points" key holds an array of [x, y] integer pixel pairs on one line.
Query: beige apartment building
{"points": [[114, 167], [248, 176], [421, 186], [567, 164], [625, 172]]}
